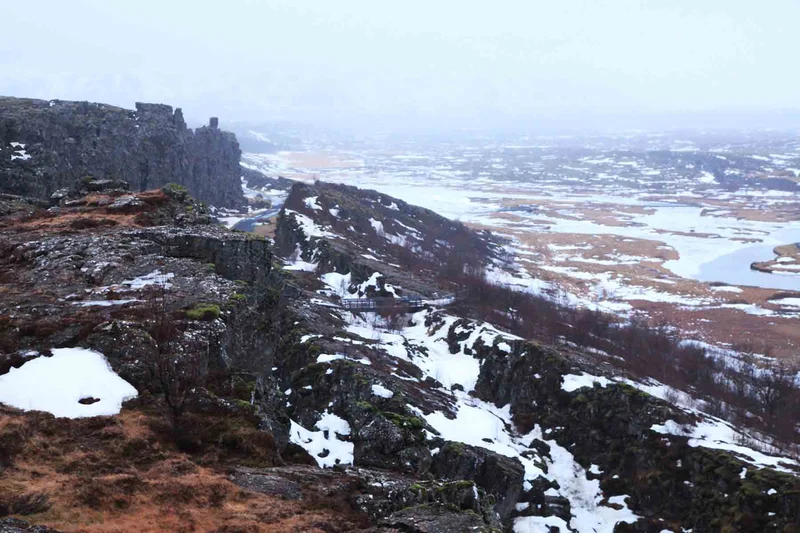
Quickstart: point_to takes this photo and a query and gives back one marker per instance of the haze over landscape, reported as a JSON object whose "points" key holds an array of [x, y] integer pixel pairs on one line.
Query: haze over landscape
{"points": [[525, 65], [419, 267]]}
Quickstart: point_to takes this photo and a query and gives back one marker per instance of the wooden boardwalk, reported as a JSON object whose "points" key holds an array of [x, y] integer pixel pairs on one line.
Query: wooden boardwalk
{"points": [[357, 305]]}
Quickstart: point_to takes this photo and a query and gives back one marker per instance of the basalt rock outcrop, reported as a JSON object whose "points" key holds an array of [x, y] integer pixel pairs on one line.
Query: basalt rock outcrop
{"points": [[45, 146], [96, 266], [665, 479], [614, 434], [342, 228], [392, 500]]}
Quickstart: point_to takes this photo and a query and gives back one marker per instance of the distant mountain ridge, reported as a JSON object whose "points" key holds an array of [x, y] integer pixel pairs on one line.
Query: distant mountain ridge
{"points": [[48, 145]]}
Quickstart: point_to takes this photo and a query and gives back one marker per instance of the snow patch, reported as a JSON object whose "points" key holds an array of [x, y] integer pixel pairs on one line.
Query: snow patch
{"points": [[56, 384], [311, 203], [381, 391], [104, 303], [324, 445], [377, 225], [574, 382], [719, 435], [309, 227], [153, 278]]}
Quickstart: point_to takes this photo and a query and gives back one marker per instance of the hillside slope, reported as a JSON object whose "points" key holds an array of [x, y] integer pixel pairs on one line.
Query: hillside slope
{"points": [[339, 228], [554, 435]]}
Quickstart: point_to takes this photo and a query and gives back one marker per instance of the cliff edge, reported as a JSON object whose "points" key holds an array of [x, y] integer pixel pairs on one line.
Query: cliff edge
{"points": [[48, 145]]}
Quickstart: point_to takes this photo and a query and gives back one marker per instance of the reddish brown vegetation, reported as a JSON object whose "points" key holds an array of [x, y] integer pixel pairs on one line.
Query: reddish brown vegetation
{"points": [[124, 474], [89, 213]]}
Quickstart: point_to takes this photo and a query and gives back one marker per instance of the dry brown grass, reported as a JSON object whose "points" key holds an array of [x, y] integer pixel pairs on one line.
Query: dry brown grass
{"points": [[722, 325], [91, 212], [788, 250], [119, 474], [267, 229]]}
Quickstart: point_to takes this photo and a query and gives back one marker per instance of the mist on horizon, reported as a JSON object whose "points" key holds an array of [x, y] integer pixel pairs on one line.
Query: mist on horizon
{"points": [[417, 65]]}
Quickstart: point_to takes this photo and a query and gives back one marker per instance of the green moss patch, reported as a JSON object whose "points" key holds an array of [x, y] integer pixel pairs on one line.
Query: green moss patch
{"points": [[203, 312]]}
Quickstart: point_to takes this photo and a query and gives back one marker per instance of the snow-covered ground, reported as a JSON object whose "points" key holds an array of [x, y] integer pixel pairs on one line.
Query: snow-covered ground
{"points": [[427, 348], [708, 239], [56, 384], [483, 425], [476, 423]]}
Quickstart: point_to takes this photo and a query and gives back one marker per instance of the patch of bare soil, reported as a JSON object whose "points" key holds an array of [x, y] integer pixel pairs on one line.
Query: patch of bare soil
{"points": [[266, 229]]}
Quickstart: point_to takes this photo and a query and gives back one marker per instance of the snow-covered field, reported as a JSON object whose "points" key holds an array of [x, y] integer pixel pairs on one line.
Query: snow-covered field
{"points": [[679, 205], [642, 220]]}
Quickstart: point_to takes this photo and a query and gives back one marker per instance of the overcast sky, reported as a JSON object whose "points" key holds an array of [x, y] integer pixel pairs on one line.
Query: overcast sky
{"points": [[406, 61]]}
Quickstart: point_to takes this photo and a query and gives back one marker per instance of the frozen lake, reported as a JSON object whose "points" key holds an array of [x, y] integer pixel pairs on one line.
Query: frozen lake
{"points": [[734, 268]]}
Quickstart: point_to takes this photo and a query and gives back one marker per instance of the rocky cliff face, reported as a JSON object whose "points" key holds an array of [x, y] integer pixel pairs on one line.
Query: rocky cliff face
{"points": [[48, 145]]}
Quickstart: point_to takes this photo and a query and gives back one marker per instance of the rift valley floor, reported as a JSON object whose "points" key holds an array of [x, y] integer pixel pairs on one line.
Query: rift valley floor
{"points": [[663, 226]]}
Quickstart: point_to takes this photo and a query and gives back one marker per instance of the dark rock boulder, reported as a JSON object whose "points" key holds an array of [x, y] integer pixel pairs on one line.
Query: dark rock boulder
{"points": [[435, 518], [56, 143], [236, 256], [542, 504], [391, 440], [257, 179], [498, 475], [90, 185], [15, 525], [266, 482], [384, 433]]}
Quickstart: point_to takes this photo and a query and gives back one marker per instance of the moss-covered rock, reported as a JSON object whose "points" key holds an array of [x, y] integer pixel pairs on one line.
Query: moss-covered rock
{"points": [[498, 475], [203, 311]]}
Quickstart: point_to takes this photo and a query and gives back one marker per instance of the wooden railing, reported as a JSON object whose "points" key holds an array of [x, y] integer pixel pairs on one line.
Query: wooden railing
{"points": [[382, 304]]}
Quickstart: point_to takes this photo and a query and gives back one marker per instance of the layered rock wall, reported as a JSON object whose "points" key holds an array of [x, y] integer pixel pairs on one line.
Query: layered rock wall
{"points": [[48, 145]]}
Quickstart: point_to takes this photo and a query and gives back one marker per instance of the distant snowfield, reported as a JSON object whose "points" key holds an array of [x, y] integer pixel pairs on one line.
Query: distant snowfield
{"points": [[706, 245], [672, 226], [56, 384], [681, 226]]}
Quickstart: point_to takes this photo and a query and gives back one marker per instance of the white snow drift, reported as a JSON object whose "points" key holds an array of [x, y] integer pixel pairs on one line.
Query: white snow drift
{"points": [[55, 384]]}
